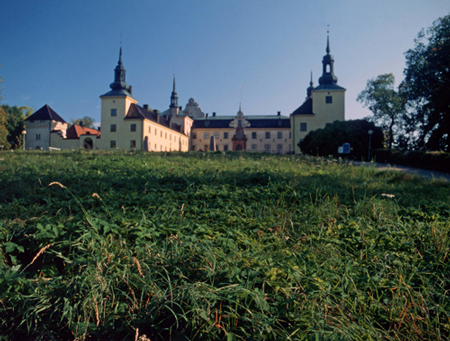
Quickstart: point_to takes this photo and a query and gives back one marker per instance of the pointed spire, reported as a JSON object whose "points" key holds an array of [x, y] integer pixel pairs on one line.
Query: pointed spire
{"points": [[328, 44], [174, 96], [328, 76], [119, 83], [120, 56]]}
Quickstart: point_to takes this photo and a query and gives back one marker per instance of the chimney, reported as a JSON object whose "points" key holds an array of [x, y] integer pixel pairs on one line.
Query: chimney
{"points": [[98, 128], [146, 107], [81, 124], [214, 114], [206, 115], [279, 113], [131, 90], [181, 108]]}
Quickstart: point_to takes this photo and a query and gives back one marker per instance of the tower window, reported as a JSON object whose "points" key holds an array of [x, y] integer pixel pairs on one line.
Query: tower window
{"points": [[113, 128], [302, 126], [113, 112], [38, 137], [328, 99], [133, 127]]}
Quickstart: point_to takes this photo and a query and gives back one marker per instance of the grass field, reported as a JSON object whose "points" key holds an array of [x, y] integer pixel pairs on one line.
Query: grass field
{"points": [[214, 246]]}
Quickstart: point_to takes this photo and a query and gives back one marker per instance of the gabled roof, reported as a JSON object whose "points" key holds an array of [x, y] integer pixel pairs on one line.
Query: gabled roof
{"points": [[305, 108], [138, 112], [75, 131], [45, 114]]}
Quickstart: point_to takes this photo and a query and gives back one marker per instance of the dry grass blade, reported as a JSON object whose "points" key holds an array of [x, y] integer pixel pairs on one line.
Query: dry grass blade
{"points": [[56, 183]]}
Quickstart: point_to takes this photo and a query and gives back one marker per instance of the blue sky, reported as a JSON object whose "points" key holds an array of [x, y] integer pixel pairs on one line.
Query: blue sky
{"points": [[63, 53]]}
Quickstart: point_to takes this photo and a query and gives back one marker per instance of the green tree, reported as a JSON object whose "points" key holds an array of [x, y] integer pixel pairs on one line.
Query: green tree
{"points": [[426, 86], [3, 131], [324, 142], [87, 121], [385, 102], [15, 117]]}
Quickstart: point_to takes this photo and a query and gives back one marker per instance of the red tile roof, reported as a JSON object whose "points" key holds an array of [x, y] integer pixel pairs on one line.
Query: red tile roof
{"points": [[75, 131]]}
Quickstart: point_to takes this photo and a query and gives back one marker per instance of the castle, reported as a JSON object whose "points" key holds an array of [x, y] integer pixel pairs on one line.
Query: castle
{"points": [[126, 125]]}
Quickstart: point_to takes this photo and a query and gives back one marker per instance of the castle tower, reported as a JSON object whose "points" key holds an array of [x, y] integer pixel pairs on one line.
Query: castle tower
{"points": [[115, 105], [324, 104]]}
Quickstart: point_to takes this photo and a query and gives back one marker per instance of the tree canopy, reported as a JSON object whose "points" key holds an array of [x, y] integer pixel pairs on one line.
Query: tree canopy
{"points": [[427, 86], [87, 121], [15, 117], [385, 103], [324, 142]]}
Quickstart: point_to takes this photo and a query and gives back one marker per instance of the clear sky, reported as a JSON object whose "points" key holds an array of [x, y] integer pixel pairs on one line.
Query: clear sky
{"points": [[63, 53]]}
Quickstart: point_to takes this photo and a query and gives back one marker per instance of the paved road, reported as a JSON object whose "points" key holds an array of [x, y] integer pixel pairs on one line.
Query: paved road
{"points": [[429, 174]]}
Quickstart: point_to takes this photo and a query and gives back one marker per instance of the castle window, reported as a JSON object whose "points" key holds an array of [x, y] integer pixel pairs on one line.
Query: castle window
{"points": [[225, 147], [216, 135], [267, 148], [267, 134], [225, 135], [112, 144], [206, 135], [133, 144], [253, 147], [279, 148], [113, 112], [279, 135], [133, 127], [254, 135], [302, 126], [239, 123], [38, 137], [113, 128], [194, 136], [328, 99]]}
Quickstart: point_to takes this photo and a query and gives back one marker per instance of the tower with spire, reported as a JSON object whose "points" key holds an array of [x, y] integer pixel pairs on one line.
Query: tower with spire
{"points": [[323, 105], [114, 108]]}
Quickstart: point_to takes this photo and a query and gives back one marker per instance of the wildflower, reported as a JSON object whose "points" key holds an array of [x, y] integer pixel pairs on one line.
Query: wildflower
{"points": [[388, 195]]}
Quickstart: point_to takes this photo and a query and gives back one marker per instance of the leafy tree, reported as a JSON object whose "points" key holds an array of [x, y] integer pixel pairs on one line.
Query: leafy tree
{"points": [[385, 102], [87, 121], [426, 86], [15, 117], [3, 131], [324, 142]]}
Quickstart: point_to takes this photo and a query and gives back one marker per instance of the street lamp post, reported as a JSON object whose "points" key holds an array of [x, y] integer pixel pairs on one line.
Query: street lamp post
{"points": [[23, 138], [370, 140]]}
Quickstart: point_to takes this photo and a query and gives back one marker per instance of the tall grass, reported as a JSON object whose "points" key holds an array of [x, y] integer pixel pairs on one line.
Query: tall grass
{"points": [[214, 246]]}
